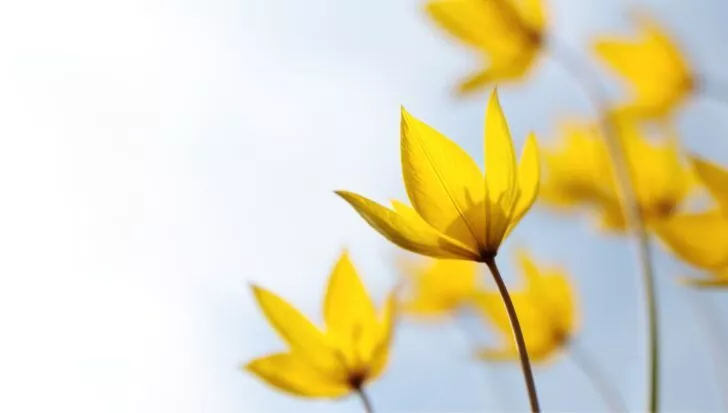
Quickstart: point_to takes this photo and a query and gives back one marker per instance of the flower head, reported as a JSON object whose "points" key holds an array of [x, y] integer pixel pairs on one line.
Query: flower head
{"points": [[456, 212], [701, 238], [439, 287], [352, 351], [546, 308], [579, 173], [507, 33], [658, 73]]}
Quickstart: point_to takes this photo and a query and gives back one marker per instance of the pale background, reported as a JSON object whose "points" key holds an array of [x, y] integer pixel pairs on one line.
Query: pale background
{"points": [[157, 156]]}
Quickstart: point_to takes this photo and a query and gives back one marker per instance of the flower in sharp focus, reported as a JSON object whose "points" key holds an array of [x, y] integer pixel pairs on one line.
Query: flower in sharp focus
{"points": [[546, 308], [579, 173], [456, 211], [507, 33], [701, 238], [352, 351], [658, 73], [438, 287]]}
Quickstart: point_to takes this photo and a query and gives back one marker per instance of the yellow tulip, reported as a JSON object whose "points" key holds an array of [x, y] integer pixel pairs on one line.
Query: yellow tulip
{"points": [[701, 238], [579, 174], [546, 308], [508, 34], [352, 352], [439, 287], [658, 73], [457, 212]]}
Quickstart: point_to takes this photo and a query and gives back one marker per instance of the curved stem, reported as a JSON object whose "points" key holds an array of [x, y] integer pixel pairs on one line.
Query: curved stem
{"points": [[365, 400], [633, 215], [599, 380], [517, 334]]}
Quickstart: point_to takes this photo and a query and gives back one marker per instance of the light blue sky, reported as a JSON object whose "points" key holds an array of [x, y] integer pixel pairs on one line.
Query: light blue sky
{"points": [[157, 156]]}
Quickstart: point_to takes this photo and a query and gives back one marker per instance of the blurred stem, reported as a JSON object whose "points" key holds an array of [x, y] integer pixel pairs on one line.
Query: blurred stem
{"points": [[517, 334], [365, 400], [599, 380], [711, 327], [582, 74]]}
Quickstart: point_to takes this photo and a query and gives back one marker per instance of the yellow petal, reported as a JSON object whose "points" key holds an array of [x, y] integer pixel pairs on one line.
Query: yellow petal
{"points": [[714, 178], [493, 27], [441, 287], [349, 312], [652, 64], [292, 374], [499, 71], [408, 232], [500, 157], [380, 356], [529, 178], [700, 239], [443, 182], [533, 13], [297, 331]]}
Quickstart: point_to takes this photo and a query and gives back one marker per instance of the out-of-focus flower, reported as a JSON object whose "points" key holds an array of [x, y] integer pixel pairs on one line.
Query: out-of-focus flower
{"points": [[701, 238], [546, 308], [579, 173], [439, 287], [658, 73], [352, 352], [456, 214], [507, 33]]}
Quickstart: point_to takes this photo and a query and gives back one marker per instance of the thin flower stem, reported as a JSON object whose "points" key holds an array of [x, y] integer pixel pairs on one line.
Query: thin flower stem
{"points": [[365, 400], [599, 380], [517, 335], [635, 223]]}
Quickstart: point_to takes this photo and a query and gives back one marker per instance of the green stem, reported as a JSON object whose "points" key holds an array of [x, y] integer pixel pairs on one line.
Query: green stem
{"points": [[601, 384], [517, 335], [633, 215], [365, 400]]}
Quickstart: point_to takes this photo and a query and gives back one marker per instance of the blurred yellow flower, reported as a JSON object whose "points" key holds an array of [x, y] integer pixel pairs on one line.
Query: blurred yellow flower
{"points": [[701, 238], [438, 287], [353, 350], [507, 33], [660, 76], [456, 214], [546, 308], [579, 173]]}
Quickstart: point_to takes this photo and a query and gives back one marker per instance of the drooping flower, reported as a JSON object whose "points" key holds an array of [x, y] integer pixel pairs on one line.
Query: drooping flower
{"points": [[546, 307], [351, 352], [457, 212], [657, 71], [439, 288], [579, 173], [508, 34], [701, 238]]}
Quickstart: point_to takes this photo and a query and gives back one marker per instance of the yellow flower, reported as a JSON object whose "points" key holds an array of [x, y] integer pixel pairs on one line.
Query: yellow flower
{"points": [[701, 238], [579, 173], [507, 33], [546, 308], [353, 350], [456, 214], [439, 287], [657, 71]]}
